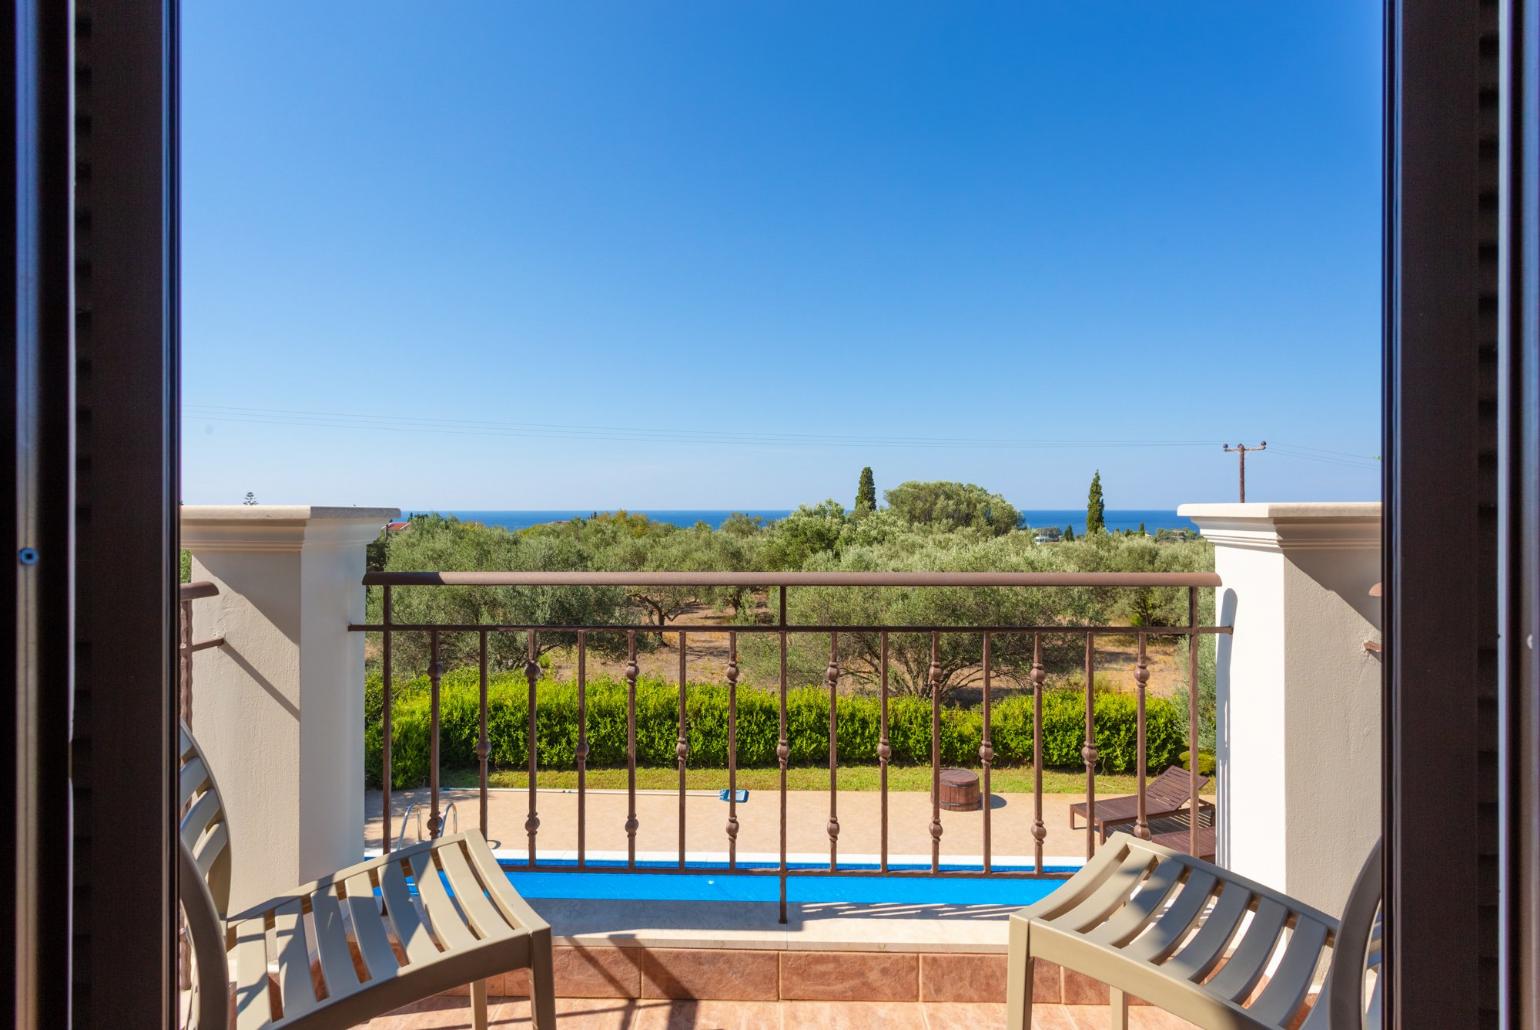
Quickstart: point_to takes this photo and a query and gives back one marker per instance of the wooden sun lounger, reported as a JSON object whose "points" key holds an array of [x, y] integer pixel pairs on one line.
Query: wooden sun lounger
{"points": [[354, 944], [1206, 944], [1166, 795]]}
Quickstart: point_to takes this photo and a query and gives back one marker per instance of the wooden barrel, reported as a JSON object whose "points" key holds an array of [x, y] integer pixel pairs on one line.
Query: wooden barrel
{"points": [[960, 790]]}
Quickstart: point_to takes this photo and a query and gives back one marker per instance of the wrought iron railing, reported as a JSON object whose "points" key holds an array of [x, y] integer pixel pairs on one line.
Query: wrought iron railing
{"points": [[778, 584], [188, 593]]}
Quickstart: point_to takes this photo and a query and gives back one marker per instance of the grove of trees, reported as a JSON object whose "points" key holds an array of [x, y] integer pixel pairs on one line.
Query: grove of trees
{"points": [[938, 526]]}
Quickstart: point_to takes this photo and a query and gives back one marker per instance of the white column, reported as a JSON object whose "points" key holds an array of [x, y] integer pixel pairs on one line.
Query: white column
{"points": [[1299, 695], [279, 708]]}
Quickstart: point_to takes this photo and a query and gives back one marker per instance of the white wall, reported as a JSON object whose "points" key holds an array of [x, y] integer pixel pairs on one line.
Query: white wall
{"points": [[1299, 696], [279, 708]]}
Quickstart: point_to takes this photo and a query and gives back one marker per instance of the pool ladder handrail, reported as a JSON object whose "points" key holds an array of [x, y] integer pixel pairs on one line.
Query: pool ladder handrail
{"points": [[414, 807]]}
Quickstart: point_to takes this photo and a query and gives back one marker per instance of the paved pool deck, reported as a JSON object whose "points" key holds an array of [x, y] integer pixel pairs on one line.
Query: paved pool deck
{"points": [[705, 817], [828, 926]]}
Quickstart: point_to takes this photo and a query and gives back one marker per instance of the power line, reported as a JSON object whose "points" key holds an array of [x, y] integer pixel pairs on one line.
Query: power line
{"points": [[1366, 464], [490, 428], [1321, 455], [493, 428]]}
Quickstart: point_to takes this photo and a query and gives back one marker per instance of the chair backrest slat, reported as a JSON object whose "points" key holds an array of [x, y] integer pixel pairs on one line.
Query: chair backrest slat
{"points": [[205, 929], [203, 876], [204, 829], [1358, 949]]}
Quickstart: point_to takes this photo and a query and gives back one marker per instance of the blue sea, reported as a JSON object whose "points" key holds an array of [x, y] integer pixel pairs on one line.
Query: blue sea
{"points": [[1152, 519]]}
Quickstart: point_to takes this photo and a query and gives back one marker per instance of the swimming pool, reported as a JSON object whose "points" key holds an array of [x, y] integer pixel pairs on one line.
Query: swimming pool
{"points": [[806, 883]]}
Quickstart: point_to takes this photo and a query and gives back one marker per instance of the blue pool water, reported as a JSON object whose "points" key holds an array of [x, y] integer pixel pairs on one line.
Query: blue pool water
{"points": [[604, 880]]}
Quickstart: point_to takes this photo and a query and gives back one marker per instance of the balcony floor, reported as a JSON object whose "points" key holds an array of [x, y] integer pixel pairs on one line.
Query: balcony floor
{"points": [[453, 1013]]}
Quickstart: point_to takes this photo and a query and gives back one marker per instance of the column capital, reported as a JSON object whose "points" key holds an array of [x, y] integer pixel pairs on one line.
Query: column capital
{"points": [[1325, 526], [279, 527]]}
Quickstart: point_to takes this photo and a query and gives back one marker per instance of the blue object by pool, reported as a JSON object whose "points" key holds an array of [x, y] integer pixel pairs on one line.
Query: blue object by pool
{"points": [[743, 795], [605, 880]]}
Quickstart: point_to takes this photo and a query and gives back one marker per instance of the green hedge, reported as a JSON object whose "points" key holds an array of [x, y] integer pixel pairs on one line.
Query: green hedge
{"points": [[807, 722]]}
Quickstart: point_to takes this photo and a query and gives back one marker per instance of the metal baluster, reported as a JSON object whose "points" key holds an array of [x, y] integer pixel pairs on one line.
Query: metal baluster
{"points": [[1088, 751], [1194, 811], [483, 743], [582, 748], [935, 752], [682, 745], [986, 756], [532, 676], [385, 724], [631, 822], [783, 754], [1039, 831], [832, 676], [732, 750], [1141, 680], [884, 751], [185, 663], [435, 675], [184, 639]]}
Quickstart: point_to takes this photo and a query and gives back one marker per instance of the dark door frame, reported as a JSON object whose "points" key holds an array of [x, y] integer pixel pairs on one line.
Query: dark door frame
{"points": [[125, 543], [101, 78], [128, 487], [37, 380], [1441, 288], [1518, 471]]}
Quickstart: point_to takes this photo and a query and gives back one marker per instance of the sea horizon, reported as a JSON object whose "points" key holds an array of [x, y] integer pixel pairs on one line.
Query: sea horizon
{"points": [[1152, 519]]}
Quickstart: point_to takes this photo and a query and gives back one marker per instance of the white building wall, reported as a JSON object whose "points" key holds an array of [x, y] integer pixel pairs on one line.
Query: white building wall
{"points": [[278, 708], [1299, 696]]}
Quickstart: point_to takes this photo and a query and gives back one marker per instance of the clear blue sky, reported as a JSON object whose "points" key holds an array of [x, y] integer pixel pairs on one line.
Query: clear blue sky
{"points": [[705, 254]]}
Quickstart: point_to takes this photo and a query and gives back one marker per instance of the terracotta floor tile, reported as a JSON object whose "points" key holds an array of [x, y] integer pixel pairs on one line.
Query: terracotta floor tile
{"points": [[1058, 1017], [448, 1013], [710, 1015], [850, 976], [961, 1015], [592, 1014], [690, 973], [452, 1013], [854, 1015], [965, 978], [1142, 1017], [1082, 990], [1089, 1017], [1151, 1018]]}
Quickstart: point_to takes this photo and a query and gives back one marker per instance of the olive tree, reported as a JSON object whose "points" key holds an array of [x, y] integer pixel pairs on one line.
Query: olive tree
{"points": [[945, 506], [437, 543], [808, 532]]}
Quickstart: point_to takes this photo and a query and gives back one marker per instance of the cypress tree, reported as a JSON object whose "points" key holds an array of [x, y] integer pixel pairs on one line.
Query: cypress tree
{"points": [[1095, 522], [866, 491], [1069, 533]]}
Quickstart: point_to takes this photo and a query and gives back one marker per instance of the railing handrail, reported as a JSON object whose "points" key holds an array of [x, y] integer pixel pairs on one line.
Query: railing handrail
{"points": [[796, 579], [202, 588]]}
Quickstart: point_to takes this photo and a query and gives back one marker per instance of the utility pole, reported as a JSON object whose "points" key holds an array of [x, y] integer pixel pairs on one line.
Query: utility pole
{"points": [[1241, 449]]}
